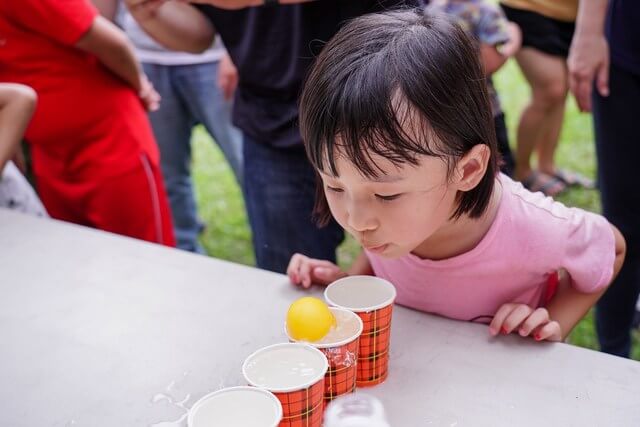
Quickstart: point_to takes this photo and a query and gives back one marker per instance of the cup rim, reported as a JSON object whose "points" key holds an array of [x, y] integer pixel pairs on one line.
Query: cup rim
{"points": [[260, 390], [302, 386], [337, 343], [383, 304]]}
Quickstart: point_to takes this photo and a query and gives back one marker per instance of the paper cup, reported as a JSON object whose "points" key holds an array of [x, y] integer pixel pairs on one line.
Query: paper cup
{"points": [[340, 346], [236, 406], [294, 373], [371, 298]]}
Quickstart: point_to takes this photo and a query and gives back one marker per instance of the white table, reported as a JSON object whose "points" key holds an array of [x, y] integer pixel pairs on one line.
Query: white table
{"points": [[100, 330]]}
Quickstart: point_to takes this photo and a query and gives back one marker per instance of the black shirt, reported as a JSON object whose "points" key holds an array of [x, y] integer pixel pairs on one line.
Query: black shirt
{"points": [[273, 48], [623, 32]]}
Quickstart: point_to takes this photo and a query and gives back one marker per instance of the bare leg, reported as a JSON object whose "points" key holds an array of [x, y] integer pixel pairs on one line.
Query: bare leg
{"points": [[541, 120]]}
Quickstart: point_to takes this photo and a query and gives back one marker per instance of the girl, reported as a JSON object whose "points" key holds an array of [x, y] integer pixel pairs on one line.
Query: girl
{"points": [[396, 120]]}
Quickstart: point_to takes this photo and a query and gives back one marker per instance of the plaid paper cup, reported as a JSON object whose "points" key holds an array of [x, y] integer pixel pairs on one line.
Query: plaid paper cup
{"points": [[342, 354], [240, 406], [294, 373], [371, 298]]}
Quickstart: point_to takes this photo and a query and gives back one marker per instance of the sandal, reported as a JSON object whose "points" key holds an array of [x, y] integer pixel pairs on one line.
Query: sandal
{"points": [[547, 184], [574, 179]]}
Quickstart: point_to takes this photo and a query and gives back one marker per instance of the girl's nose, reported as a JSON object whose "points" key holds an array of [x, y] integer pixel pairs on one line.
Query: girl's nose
{"points": [[361, 219]]}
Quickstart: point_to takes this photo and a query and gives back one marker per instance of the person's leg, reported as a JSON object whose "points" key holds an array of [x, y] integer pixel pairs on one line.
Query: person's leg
{"points": [[618, 148], [172, 125], [542, 118], [200, 92], [133, 204], [502, 137], [279, 187]]}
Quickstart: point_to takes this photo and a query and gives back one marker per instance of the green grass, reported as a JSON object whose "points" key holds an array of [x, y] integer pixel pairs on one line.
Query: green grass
{"points": [[228, 235]]}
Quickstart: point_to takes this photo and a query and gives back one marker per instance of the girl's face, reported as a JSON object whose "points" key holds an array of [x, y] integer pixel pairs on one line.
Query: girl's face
{"points": [[393, 214]]}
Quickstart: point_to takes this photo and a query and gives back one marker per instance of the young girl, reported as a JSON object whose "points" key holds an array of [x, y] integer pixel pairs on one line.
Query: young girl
{"points": [[396, 120]]}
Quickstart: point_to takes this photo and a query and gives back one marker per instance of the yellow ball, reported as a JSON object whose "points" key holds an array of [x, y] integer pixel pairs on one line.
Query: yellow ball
{"points": [[309, 319]]}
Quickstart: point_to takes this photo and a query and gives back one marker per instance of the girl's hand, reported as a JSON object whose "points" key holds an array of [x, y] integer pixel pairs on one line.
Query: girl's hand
{"points": [[526, 321], [304, 271]]}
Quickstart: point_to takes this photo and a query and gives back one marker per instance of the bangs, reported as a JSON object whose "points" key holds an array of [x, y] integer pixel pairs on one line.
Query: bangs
{"points": [[374, 121]]}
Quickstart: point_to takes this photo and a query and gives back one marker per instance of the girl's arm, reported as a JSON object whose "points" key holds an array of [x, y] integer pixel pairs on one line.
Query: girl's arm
{"points": [[17, 103], [555, 321], [568, 306]]}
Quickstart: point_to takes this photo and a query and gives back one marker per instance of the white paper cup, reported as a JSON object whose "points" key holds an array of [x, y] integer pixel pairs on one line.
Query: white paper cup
{"points": [[360, 293], [372, 299], [294, 372], [340, 346], [236, 406]]}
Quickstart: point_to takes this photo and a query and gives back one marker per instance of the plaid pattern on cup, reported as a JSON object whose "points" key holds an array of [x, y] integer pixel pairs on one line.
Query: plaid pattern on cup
{"points": [[302, 408], [343, 365], [342, 355], [276, 368], [371, 298], [373, 358]]}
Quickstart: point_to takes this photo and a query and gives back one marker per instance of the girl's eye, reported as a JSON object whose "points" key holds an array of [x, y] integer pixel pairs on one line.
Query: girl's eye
{"points": [[334, 189], [388, 198]]}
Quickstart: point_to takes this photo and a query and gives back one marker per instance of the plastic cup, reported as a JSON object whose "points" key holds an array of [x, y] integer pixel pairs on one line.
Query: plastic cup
{"points": [[236, 406], [371, 298], [340, 346], [294, 373]]}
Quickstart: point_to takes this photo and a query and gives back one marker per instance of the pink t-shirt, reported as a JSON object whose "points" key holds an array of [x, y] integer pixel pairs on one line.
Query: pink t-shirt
{"points": [[531, 237]]}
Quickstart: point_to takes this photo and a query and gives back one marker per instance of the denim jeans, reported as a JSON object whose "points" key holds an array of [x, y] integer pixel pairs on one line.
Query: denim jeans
{"points": [[618, 150], [279, 187], [190, 95]]}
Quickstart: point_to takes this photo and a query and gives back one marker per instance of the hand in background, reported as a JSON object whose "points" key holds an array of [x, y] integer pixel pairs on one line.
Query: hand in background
{"points": [[588, 60], [227, 77], [304, 271], [525, 321], [148, 95], [514, 44]]}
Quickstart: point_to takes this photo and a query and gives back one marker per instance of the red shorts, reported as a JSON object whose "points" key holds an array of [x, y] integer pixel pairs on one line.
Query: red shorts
{"points": [[133, 204]]}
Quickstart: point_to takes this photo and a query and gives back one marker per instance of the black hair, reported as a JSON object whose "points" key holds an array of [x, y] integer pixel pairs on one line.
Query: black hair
{"points": [[399, 84]]}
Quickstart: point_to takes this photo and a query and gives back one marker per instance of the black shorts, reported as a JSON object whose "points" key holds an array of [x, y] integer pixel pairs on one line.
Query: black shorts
{"points": [[540, 32]]}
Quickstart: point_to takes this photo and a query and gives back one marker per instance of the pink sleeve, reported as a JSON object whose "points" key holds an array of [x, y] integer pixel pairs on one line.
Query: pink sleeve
{"points": [[62, 20], [589, 251]]}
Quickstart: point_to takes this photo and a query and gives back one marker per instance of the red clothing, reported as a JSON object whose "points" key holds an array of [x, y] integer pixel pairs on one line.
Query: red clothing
{"points": [[93, 150], [88, 122], [133, 204]]}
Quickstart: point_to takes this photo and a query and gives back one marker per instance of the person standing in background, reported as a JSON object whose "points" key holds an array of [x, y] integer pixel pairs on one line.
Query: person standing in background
{"points": [[273, 44], [195, 88], [605, 53], [95, 160], [547, 28]]}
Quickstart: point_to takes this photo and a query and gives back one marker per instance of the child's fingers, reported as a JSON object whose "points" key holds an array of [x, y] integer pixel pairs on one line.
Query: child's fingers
{"points": [[294, 267], [508, 317], [499, 318], [305, 273], [539, 317], [518, 315], [550, 332]]}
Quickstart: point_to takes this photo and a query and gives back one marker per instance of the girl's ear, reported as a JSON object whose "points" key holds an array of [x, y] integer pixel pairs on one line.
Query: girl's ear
{"points": [[472, 166]]}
